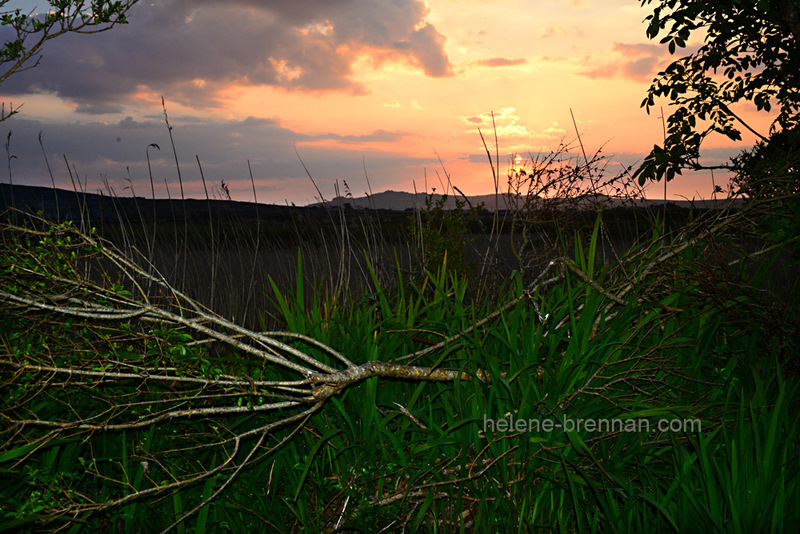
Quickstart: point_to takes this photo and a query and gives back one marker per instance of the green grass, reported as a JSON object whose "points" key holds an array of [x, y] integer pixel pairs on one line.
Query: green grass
{"points": [[393, 455], [673, 358]]}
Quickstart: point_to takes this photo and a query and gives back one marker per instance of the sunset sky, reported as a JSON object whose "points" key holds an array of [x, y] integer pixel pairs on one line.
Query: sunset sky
{"points": [[392, 86]]}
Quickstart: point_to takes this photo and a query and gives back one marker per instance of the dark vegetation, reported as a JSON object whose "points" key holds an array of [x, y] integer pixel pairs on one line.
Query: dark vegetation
{"points": [[255, 243]]}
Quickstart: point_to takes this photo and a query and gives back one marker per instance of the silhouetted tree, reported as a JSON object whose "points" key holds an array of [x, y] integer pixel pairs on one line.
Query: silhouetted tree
{"points": [[751, 52]]}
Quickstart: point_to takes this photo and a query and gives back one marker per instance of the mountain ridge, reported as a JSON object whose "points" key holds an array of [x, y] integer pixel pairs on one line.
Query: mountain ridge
{"points": [[65, 204], [401, 201]]}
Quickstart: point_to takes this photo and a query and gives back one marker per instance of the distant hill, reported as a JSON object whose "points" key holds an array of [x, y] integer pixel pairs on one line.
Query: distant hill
{"points": [[400, 201], [61, 204]]}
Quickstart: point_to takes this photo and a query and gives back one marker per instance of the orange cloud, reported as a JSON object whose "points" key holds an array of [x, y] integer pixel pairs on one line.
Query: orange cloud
{"points": [[508, 125]]}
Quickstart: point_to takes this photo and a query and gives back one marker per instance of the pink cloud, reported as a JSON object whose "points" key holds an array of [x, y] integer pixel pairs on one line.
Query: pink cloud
{"points": [[552, 31], [639, 49], [639, 62], [501, 62]]}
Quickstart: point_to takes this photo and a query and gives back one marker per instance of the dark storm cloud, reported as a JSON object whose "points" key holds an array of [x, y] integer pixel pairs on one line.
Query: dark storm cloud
{"points": [[191, 50], [378, 136]]}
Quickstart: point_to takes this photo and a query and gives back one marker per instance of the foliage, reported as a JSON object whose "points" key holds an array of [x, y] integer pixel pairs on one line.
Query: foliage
{"points": [[770, 173], [771, 169], [749, 54], [33, 30], [439, 232]]}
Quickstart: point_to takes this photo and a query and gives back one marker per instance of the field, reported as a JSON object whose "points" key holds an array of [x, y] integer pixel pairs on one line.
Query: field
{"points": [[190, 367]]}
